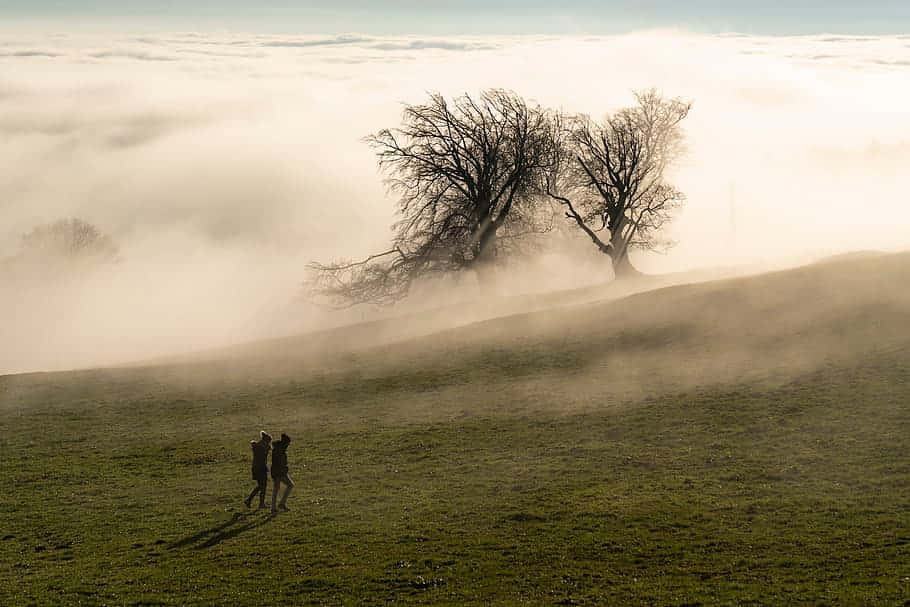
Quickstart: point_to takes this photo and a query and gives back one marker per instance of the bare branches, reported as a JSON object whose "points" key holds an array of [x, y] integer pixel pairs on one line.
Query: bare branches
{"points": [[69, 239], [463, 170], [473, 176], [613, 173], [379, 279]]}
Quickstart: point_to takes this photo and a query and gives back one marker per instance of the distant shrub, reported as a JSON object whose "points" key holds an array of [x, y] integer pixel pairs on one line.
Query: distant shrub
{"points": [[67, 241], [59, 251]]}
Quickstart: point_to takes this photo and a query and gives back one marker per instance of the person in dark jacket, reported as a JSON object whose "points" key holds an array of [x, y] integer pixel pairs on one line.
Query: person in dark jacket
{"points": [[280, 472], [260, 450]]}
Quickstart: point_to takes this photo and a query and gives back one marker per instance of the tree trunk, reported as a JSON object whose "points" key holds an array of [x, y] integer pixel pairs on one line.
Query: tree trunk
{"points": [[485, 261], [619, 255], [623, 268]]}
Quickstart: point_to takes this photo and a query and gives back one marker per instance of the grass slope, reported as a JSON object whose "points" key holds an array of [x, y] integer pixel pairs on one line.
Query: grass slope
{"points": [[740, 442]]}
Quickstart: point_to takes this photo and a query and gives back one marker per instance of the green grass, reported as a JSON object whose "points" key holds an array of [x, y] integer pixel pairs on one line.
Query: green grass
{"points": [[507, 463]]}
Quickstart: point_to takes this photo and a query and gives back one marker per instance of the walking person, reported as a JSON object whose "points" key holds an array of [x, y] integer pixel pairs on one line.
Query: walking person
{"points": [[280, 472], [260, 450]]}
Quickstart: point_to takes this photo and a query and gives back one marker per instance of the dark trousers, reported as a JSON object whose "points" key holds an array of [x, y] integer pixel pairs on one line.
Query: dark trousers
{"points": [[262, 482]]}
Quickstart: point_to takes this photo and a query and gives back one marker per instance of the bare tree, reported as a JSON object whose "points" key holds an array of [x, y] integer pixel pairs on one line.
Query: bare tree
{"points": [[611, 175], [67, 240], [468, 175]]}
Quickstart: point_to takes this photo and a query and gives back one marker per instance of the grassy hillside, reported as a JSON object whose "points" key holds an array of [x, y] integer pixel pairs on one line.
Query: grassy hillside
{"points": [[736, 442]]}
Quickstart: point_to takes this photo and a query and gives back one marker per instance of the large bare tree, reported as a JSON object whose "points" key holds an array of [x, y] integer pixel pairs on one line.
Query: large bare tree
{"points": [[611, 175], [468, 175]]}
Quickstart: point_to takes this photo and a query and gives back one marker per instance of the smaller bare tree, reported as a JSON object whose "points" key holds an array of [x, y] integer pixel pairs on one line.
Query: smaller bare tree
{"points": [[611, 175]]}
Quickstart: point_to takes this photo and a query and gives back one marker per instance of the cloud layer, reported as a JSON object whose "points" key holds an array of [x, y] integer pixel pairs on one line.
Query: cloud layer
{"points": [[222, 163]]}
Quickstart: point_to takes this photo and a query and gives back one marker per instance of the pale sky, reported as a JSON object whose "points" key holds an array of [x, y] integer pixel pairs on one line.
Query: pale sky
{"points": [[774, 17]]}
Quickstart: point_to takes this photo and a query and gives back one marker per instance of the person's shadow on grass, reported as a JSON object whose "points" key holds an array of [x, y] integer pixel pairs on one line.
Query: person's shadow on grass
{"points": [[237, 524]]}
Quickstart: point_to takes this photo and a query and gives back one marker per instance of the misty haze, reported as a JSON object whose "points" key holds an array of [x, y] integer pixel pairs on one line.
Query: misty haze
{"points": [[552, 312]]}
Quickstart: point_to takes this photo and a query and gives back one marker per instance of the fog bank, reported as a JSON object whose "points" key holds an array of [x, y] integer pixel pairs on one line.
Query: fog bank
{"points": [[222, 163]]}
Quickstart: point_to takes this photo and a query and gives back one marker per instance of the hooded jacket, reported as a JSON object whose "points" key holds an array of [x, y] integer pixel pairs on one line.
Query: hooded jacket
{"points": [[260, 454], [279, 459]]}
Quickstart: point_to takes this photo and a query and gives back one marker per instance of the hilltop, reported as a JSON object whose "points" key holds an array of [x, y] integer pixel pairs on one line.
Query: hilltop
{"points": [[737, 441]]}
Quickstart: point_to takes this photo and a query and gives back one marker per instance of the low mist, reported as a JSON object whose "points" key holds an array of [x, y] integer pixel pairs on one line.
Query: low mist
{"points": [[221, 164]]}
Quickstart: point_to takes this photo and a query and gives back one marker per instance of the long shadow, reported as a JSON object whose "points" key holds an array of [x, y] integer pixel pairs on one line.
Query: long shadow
{"points": [[237, 524]]}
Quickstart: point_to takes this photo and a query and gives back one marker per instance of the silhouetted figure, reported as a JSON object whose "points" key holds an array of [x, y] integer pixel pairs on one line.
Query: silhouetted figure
{"points": [[280, 472], [260, 467]]}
